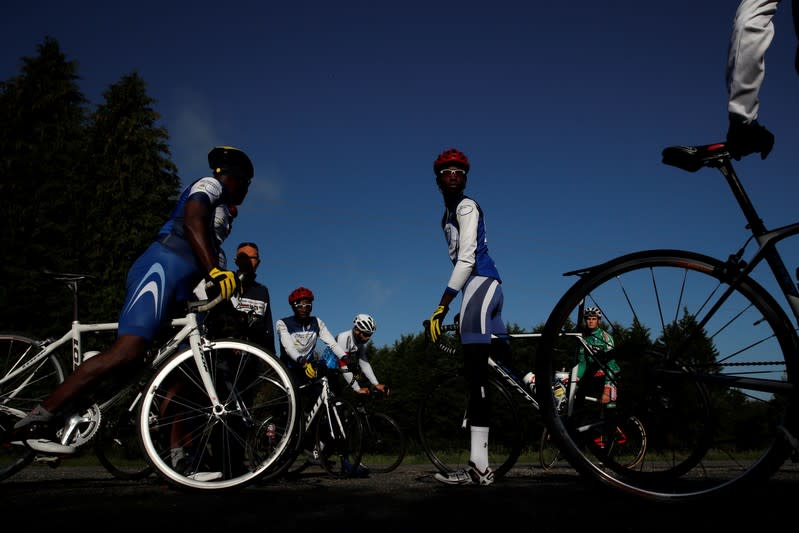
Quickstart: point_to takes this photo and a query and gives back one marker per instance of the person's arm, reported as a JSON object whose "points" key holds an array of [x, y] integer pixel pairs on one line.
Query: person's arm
{"points": [[328, 338], [287, 341], [197, 219], [468, 218], [345, 342], [368, 371]]}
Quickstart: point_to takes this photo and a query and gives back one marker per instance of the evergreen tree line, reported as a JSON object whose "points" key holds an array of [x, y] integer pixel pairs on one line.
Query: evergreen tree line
{"points": [[85, 190]]}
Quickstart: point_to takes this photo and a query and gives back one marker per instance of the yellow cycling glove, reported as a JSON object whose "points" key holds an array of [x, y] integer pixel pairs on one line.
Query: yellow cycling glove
{"points": [[435, 322], [310, 371], [225, 282]]}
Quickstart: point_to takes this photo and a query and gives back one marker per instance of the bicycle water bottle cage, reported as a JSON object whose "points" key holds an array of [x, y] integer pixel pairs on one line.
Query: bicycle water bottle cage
{"points": [[692, 158]]}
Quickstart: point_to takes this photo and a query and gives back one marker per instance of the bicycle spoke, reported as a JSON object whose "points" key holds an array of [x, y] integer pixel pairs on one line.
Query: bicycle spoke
{"points": [[702, 372]]}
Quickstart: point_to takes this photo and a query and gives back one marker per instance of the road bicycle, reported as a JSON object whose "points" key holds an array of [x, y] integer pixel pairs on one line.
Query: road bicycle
{"points": [[115, 443], [384, 441], [329, 433], [708, 358], [629, 437], [443, 421], [215, 392]]}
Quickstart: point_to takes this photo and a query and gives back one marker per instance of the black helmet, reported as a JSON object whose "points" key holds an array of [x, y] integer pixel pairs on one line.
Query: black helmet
{"points": [[231, 160]]}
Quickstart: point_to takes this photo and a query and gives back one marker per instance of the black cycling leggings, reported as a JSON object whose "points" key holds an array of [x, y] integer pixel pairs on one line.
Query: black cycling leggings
{"points": [[475, 366]]}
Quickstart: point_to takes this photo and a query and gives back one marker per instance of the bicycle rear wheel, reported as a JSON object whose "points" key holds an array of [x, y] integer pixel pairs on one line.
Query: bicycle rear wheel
{"points": [[222, 450], [445, 433], [20, 393], [116, 443], [384, 444], [686, 342]]}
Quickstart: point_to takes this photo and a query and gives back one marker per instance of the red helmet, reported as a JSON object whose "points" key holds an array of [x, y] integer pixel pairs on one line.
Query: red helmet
{"points": [[300, 293], [451, 157]]}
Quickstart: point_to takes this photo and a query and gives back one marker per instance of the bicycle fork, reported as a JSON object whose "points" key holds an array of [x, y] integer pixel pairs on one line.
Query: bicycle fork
{"points": [[200, 348]]}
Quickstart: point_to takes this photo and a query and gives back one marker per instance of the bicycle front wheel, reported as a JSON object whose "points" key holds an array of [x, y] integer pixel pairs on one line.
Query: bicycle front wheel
{"points": [[688, 343], [193, 444], [384, 444], [339, 439], [548, 452], [445, 432], [22, 388]]}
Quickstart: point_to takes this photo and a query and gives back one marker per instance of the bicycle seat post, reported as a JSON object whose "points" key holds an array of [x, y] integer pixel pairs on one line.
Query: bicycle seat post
{"points": [[73, 286]]}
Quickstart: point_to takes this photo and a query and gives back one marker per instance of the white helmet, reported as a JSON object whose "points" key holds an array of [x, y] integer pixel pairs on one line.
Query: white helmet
{"points": [[364, 323]]}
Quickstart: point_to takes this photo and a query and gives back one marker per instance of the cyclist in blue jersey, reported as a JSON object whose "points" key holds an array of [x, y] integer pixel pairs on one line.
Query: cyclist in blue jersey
{"points": [[752, 33], [160, 280], [475, 276], [353, 341], [299, 333], [298, 336]]}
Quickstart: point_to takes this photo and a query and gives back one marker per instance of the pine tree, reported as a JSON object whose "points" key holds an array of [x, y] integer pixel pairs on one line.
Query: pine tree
{"points": [[42, 111], [133, 188]]}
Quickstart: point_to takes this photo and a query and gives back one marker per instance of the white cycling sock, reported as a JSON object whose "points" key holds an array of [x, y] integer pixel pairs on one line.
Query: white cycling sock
{"points": [[479, 449], [176, 454]]}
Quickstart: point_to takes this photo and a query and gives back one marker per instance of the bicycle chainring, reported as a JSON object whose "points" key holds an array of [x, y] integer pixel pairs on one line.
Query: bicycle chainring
{"points": [[83, 426]]}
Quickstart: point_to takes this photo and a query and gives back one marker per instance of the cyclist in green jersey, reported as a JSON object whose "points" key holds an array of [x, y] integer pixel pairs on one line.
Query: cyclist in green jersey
{"points": [[598, 340]]}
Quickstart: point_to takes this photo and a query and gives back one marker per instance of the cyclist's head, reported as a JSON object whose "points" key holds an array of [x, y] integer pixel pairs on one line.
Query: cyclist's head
{"points": [[301, 300], [247, 257], [232, 162], [364, 326], [593, 314], [451, 163]]}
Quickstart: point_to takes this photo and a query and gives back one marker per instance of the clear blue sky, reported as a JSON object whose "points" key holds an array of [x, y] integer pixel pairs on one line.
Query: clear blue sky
{"points": [[562, 107]]}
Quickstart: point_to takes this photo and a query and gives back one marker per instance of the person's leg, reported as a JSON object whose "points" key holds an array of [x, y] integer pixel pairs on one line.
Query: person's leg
{"points": [[476, 373]]}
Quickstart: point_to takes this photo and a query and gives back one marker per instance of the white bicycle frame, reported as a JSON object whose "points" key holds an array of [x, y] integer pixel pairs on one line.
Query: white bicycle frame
{"points": [[188, 329]]}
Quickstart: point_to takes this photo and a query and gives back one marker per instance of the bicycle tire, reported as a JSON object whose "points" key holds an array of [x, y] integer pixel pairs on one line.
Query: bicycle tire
{"points": [[290, 464], [21, 393], [444, 432], [224, 451], [384, 445], [627, 447], [548, 452], [116, 443], [706, 433], [339, 439]]}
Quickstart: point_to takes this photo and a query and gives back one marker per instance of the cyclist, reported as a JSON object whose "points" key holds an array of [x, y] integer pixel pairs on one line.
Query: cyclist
{"points": [[752, 33], [248, 316], [160, 280], [353, 341], [598, 340], [475, 275], [298, 335]]}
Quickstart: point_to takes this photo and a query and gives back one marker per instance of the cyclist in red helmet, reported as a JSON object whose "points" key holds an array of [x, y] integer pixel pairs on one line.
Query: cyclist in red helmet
{"points": [[299, 333], [475, 276], [298, 336]]}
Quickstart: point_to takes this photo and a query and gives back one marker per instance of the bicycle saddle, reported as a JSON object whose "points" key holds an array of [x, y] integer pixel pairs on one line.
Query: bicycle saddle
{"points": [[692, 158]]}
